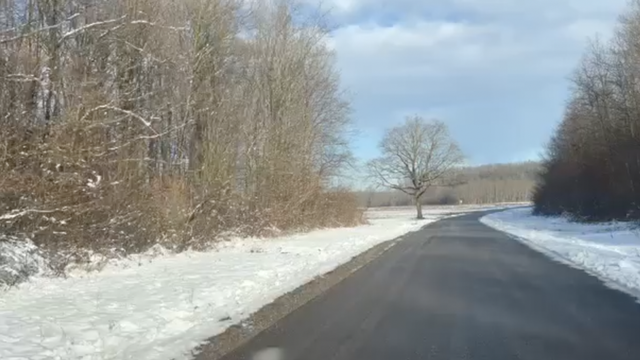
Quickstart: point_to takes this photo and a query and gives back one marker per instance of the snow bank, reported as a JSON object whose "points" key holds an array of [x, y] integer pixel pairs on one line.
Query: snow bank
{"points": [[609, 251], [164, 307], [19, 259]]}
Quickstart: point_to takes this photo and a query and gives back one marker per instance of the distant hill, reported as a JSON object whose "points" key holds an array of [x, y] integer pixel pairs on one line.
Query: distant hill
{"points": [[482, 184]]}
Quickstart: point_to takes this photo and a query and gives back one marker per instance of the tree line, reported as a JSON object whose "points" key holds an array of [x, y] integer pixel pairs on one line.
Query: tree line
{"points": [[486, 184], [125, 122], [592, 167]]}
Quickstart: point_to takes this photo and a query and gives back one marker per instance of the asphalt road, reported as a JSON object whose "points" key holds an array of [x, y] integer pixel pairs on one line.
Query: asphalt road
{"points": [[459, 290]]}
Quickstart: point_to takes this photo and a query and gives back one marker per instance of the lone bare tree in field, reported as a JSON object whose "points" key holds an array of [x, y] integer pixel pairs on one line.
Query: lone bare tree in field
{"points": [[416, 155]]}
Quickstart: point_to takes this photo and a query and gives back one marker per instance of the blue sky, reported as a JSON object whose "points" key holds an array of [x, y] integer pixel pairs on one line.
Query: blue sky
{"points": [[495, 70]]}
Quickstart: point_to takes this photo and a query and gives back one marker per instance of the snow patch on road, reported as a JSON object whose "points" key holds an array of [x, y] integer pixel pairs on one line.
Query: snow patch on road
{"points": [[609, 251], [163, 307]]}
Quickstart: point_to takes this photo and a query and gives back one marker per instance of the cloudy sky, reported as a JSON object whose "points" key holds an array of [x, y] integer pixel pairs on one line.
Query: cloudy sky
{"points": [[495, 70]]}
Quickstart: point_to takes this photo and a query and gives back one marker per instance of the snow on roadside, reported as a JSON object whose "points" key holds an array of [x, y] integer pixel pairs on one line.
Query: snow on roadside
{"points": [[165, 307], [19, 259], [609, 251]]}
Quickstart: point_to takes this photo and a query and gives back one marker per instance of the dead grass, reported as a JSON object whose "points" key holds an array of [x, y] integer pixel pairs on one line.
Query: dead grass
{"points": [[74, 212]]}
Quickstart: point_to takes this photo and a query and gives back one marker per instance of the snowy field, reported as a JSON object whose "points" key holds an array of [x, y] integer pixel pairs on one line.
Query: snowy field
{"points": [[410, 211], [163, 307], [609, 251]]}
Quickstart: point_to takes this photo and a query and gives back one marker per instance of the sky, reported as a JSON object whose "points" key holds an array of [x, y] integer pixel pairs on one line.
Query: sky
{"points": [[496, 71]]}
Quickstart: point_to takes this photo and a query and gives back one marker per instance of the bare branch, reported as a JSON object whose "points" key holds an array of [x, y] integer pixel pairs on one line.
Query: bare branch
{"points": [[39, 30], [415, 156], [144, 121], [88, 27]]}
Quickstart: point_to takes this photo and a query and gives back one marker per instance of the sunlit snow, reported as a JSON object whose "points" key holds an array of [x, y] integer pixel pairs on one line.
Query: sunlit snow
{"points": [[609, 251]]}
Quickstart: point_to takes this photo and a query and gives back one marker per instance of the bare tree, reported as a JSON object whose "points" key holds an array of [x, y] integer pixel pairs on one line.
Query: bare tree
{"points": [[484, 184], [592, 167], [138, 120], [416, 155]]}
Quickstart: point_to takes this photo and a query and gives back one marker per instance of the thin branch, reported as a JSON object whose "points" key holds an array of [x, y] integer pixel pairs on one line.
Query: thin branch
{"points": [[35, 32], [144, 121], [89, 26]]}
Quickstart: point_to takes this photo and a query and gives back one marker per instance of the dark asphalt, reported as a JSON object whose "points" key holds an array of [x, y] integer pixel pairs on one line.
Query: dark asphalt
{"points": [[460, 290]]}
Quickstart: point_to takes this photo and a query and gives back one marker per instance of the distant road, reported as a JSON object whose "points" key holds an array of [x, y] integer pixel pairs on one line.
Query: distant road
{"points": [[460, 290]]}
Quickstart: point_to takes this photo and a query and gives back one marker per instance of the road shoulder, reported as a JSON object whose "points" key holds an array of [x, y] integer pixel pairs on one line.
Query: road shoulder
{"points": [[236, 335]]}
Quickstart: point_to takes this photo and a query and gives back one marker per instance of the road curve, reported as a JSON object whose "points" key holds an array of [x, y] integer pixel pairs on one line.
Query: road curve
{"points": [[459, 290]]}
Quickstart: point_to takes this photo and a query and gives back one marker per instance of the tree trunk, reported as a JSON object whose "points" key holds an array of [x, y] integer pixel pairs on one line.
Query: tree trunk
{"points": [[419, 209]]}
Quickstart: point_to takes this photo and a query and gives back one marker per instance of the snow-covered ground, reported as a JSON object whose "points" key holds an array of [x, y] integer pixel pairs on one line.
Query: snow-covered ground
{"points": [[163, 307], [609, 251], [19, 259], [410, 211]]}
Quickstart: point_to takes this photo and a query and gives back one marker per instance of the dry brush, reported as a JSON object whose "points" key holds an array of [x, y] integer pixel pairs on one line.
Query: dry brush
{"points": [[129, 122]]}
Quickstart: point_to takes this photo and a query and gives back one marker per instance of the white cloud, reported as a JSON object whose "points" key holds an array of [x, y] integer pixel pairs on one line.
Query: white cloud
{"points": [[521, 8], [494, 69]]}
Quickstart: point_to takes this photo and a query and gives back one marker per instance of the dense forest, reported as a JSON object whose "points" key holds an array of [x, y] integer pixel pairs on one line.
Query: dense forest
{"points": [[478, 185], [592, 168], [128, 122]]}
